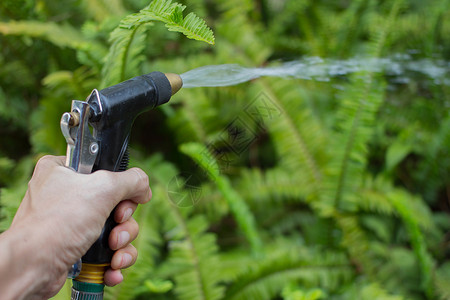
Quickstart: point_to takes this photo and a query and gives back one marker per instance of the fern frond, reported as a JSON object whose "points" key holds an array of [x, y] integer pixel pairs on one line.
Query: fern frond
{"points": [[188, 251], [237, 205], [375, 197], [194, 28], [127, 40], [297, 135], [380, 37], [125, 55], [370, 291], [61, 35], [272, 186], [441, 282], [359, 104], [311, 268], [192, 259], [402, 202], [171, 14], [356, 242]]}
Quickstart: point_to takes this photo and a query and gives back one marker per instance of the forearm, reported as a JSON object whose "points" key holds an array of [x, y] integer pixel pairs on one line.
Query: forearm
{"points": [[21, 263]]}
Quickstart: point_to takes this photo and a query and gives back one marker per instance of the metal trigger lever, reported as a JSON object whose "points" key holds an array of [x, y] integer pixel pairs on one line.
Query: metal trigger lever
{"points": [[82, 147]]}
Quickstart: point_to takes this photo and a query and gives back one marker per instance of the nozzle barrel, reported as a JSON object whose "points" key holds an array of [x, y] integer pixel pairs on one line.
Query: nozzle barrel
{"points": [[175, 82]]}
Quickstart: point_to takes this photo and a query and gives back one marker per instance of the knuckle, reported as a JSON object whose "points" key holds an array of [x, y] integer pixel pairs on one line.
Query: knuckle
{"points": [[136, 227], [133, 251], [47, 158], [43, 162], [31, 184], [142, 180], [104, 178]]}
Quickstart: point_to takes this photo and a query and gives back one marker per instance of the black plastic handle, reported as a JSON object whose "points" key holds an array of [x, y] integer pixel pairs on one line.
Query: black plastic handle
{"points": [[114, 111]]}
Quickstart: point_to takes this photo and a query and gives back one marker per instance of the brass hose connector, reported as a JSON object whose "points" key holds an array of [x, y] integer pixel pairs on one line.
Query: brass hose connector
{"points": [[92, 273]]}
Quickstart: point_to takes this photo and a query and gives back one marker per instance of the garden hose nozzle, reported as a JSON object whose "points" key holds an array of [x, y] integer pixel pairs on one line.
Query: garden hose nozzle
{"points": [[110, 114]]}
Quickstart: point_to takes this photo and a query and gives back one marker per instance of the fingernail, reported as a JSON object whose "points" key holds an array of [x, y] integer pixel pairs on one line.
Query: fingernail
{"points": [[126, 260], [126, 215], [124, 237], [120, 279]]}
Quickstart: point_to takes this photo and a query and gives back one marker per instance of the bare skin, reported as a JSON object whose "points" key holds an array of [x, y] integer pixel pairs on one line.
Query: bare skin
{"points": [[60, 217]]}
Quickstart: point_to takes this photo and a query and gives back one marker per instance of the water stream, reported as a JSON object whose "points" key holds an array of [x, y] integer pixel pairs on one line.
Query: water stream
{"points": [[399, 68]]}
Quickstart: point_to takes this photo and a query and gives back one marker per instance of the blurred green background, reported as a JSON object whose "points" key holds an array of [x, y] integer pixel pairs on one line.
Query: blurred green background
{"points": [[342, 193]]}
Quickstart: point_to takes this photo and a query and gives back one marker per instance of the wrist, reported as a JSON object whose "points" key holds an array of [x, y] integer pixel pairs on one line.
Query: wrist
{"points": [[23, 263]]}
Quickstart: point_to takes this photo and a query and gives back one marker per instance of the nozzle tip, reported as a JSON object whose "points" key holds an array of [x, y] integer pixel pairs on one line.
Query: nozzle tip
{"points": [[175, 82]]}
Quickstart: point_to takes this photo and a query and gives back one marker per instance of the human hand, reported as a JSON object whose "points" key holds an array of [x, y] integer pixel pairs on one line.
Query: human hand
{"points": [[65, 211]]}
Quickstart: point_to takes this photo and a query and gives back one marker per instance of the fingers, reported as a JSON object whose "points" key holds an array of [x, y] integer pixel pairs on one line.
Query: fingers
{"points": [[124, 257], [124, 210], [123, 234], [113, 277], [120, 238], [47, 162]]}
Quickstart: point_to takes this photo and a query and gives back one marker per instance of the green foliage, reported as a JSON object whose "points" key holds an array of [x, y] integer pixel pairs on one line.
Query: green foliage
{"points": [[237, 205], [308, 267], [336, 190], [172, 15], [128, 39]]}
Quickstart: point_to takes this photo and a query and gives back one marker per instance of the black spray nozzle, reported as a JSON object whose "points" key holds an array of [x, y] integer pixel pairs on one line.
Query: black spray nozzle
{"points": [[115, 108], [130, 98], [113, 112]]}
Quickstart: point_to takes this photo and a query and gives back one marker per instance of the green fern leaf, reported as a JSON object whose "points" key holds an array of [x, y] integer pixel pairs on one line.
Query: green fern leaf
{"points": [[192, 259], [356, 116], [127, 40], [125, 55], [275, 185], [311, 268], [186, 253], [61, 35], [193, 27], [172, 15], [402, 202], [369, 291], [297, 134], [237, 205]]}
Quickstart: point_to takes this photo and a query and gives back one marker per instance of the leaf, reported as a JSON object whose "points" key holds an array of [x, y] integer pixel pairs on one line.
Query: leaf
{"points": [[310, 267], [193, 258], [402, 201], [127, 40], [172, 15], [61, 35], [238, 207], [158, 286]]}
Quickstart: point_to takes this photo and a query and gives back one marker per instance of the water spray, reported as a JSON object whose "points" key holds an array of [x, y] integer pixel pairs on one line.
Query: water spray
{"points": [[400, 69], [110, 113]]}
